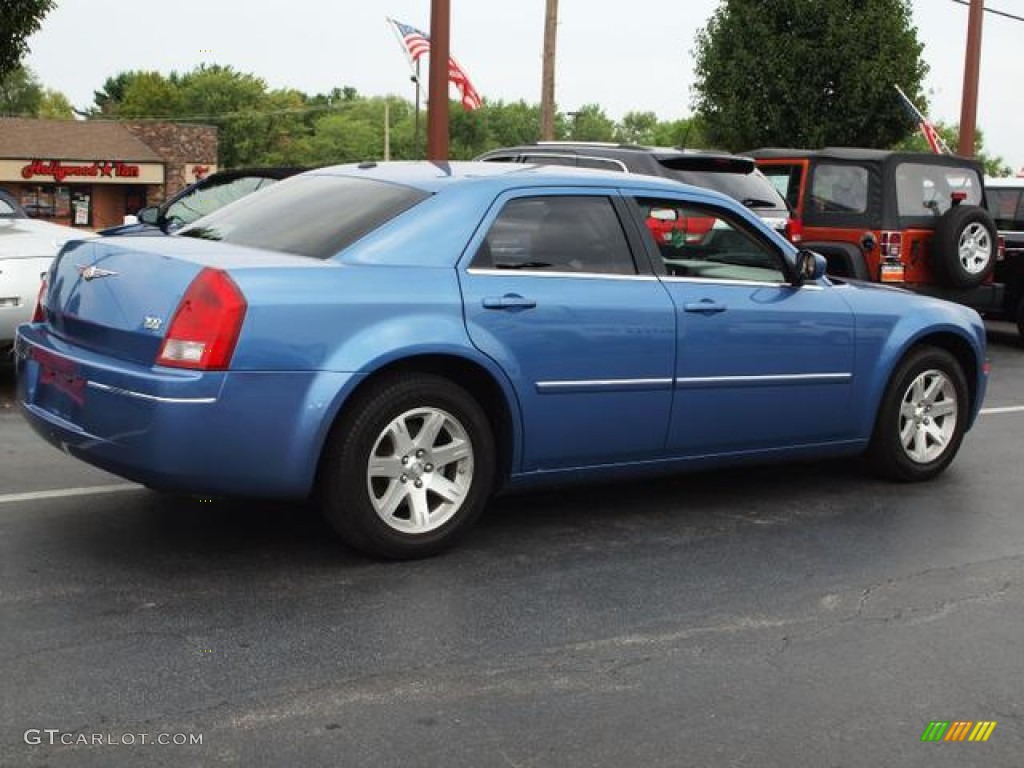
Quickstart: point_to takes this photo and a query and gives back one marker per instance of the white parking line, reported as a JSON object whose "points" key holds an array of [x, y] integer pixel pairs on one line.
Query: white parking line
{"points": [[64, 492], [1005, 409]]}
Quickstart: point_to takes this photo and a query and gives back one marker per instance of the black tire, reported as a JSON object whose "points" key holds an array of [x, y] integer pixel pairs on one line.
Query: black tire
{"points": [[964, 247], [925, 417], [435, 505]]}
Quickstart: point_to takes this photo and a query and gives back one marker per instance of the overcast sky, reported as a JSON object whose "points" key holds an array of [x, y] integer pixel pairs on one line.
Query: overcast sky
{"points": [[623, 56]]}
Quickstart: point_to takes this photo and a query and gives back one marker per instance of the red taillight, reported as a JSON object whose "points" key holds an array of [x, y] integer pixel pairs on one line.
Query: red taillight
{"points": [[39, 315], [205, 327], [1001, 248], [892, 245], [794, 230]]}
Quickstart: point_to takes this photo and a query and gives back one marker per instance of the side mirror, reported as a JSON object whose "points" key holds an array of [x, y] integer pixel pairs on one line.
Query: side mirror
{"points": [[149, 215], [810, 266]]}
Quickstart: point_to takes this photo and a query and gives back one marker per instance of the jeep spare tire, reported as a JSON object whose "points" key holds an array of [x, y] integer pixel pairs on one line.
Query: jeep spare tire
{"points": [[965, 246]]}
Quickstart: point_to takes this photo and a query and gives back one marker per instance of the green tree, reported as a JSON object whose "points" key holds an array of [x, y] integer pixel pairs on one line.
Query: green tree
{"points": [[806, 73], [18, 20], [637, 128], [590, 123], [22, 95]]}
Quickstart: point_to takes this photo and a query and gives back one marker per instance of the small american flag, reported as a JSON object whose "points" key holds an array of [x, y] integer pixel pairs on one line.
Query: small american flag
{"points": [[417, 43], [935, 141]]}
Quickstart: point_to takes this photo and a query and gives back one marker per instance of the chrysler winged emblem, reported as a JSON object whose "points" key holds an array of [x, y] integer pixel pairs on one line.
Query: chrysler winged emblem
{"points": [[93, 272]]}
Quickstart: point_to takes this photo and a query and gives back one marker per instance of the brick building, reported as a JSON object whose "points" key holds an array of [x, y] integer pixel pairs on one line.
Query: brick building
{"points": [[91, 173]]}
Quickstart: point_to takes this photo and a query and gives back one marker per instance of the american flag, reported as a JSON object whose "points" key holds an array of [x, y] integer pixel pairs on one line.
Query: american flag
{"points": [[417, 43], [927, 129]]}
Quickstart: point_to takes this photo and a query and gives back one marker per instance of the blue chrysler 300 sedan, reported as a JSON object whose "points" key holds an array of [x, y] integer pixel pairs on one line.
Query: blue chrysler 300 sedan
{"points": [[409, 338]]}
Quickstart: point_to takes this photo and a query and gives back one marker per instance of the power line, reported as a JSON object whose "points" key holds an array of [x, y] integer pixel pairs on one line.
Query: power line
{"points": [[993, 11]]}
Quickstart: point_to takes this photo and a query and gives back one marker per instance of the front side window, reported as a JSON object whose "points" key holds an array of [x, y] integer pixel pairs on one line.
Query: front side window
{"points": [[563, 233], [839, 188], [709, 243], [927, 190]]}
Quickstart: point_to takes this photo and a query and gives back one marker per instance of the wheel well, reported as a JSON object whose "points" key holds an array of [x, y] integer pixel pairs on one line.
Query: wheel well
{"points": [[475, 379], [964, 354]]}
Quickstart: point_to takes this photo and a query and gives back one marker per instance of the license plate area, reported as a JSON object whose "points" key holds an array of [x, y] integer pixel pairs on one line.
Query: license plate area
{"points": [[59, 387]]}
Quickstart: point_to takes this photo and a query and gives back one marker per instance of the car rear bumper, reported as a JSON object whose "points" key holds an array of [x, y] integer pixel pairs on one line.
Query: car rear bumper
{"points": [[240, 433]]}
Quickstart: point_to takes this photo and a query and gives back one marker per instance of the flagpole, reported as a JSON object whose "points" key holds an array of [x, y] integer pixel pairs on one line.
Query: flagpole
{"points": [[416, 131], [414, 65], [922, 120]]}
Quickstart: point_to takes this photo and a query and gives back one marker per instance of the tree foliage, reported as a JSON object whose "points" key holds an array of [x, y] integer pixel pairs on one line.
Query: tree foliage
{"points": [[18, 20], [22, 95], [807, 73]]}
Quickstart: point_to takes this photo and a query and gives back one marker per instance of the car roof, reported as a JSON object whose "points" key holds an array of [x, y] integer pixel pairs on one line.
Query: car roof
{"points": [[435, 176], [609, 149], [859, 154]]}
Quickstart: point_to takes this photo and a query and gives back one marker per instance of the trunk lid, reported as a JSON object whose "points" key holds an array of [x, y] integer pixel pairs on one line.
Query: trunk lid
{"points": [[117, 296]]}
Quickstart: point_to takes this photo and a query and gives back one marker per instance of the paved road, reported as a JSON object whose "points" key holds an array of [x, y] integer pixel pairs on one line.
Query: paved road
{"points": [[791, 616]]}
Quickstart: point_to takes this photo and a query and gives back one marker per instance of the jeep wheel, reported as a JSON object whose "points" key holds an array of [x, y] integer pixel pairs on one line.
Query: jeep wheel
{"points": [[965, 246]]}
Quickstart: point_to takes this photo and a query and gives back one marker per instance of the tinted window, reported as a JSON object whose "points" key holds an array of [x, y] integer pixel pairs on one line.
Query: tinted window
{"points": [[314, 215], [558, 234], [926, 190], [1007, 207], [599, 163], [708, 243], [205, 199], [839, 188], [751, 189], [550, 159]]}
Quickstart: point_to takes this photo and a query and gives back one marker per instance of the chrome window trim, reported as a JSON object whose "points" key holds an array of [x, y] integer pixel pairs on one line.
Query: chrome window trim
{"points": [[150, 398], [776, 378], [545, 273], [717, 281]]}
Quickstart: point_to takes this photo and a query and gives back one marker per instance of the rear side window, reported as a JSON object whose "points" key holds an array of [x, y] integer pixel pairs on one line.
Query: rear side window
{"points": [[926, 190], [315, 215], [839, 188], [563, 233], [1007, 207]]}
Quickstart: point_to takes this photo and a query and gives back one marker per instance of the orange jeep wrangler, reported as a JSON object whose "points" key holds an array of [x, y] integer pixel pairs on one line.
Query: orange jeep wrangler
{"points": [[907, 218]]}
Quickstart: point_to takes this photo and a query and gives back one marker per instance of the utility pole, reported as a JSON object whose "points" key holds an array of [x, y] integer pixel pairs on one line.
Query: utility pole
{"points": [[437, 97], [972, 69], [547, 87]]}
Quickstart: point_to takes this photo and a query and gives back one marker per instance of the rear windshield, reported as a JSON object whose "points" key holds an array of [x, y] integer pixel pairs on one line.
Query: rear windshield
{"points": [[923, 189], [751, 189], [1007, 207], [309, 215]]}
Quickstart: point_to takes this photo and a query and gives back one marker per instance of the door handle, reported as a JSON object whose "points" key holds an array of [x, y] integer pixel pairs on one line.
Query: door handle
{"points": [[704, 307], [508, 301]]}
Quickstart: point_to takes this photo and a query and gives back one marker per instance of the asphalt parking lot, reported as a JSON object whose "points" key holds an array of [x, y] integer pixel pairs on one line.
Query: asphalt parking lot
{"points": [[805, 615]]}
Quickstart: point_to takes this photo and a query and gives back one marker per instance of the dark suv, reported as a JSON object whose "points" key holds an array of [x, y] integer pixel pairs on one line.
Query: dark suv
{"points": [[731, 175], [1006, 204], [911, 219]]}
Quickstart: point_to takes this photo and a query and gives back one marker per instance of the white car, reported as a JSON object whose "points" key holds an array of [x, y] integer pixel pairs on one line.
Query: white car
{"points": [[27, 246]]}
